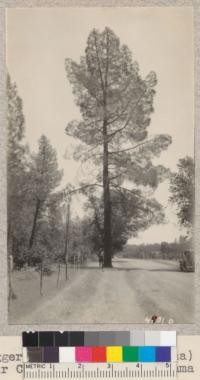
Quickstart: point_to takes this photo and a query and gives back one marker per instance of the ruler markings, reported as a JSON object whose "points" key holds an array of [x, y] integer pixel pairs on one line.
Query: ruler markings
{"points": [[145, 371]]}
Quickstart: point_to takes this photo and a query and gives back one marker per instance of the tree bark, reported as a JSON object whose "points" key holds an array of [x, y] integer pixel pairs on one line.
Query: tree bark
{"points": [[34, 224], [107, 202], [58, 277], [11, 294], [41, 278], [67, 238]]}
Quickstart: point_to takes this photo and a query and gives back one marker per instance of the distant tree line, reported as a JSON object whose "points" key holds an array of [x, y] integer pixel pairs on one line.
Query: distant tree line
{"points": [[163, 250]]}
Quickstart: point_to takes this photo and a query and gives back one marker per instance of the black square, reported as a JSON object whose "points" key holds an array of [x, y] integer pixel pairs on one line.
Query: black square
{"points": [[76, 338], [61, 339], [46, 338], [30, 339]]}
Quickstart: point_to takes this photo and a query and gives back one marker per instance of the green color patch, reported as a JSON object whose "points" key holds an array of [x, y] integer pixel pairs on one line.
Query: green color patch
{"points": [[130, 354]]}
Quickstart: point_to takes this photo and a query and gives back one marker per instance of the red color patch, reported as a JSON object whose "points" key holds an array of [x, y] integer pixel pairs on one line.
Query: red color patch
{"points": [[98, 354]]}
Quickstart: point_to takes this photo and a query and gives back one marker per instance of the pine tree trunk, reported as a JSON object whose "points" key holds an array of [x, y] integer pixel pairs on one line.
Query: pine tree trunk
{"points": [[41, 278], [58, 277], [67, 239], [11, 294], [34, 224], [107, 203]]}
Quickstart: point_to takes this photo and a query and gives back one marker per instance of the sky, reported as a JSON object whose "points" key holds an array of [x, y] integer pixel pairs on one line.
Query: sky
{"points": [[39, 40]]}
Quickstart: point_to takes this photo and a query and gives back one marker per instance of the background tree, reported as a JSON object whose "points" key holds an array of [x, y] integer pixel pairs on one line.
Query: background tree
{"points": [[46, 177], [130, 214], [182, 187], [17, 156], [17, 162], [115, 105]]}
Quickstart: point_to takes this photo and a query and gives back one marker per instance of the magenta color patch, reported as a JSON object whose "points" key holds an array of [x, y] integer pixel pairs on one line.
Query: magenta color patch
{"points": [[83, 354]]}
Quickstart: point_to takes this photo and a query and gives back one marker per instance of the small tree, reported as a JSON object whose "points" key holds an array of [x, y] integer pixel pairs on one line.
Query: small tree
{"points": [[46, 177], [182, 186]]}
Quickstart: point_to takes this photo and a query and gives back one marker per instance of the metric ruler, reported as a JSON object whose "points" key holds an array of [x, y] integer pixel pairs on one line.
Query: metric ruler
{"points": [[122, 371]]}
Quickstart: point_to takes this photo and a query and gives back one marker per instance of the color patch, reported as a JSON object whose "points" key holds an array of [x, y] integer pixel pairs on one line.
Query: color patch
{"points": [[114, 354], [51, 355], [91, 339], [163, 354], [167, 338], [67, 355], [152, 338], [83, 354], [46, 339], [147, 354], [61, 339], [35, 354], [130, 354], [76, 338], [122, 338], [107, 338], [30, 339], [137, 338], [98, 354], [173, 354]]}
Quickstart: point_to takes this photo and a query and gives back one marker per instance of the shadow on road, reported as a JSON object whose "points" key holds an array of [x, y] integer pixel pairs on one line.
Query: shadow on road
{"points": [[164, 270], [129, 269]]}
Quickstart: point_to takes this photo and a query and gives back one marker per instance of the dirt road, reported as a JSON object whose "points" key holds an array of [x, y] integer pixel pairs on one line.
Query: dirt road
{"points": [[133, 290]]}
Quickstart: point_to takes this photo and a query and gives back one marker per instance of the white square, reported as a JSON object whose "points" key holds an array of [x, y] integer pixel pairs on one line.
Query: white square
{"points": [[173, 354], [24, 354], [66, 354], [152, 338], [168, 338]]}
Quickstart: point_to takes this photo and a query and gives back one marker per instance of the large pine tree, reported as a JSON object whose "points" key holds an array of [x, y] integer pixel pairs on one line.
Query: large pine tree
{"points": [[115, 105]]}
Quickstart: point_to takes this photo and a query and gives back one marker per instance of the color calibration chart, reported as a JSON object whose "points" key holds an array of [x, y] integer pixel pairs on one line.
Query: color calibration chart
{"points": [[99, 355]]}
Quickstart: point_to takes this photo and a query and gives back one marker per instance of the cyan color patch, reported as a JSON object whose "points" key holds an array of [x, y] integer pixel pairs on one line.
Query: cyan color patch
{"points": [[147, 354]]}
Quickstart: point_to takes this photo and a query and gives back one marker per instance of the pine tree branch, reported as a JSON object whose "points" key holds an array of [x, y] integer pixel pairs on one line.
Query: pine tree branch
{"points": [[99, 65], [128, 119], [119, 115], [79, 189], [122, 188], [128, 149]]}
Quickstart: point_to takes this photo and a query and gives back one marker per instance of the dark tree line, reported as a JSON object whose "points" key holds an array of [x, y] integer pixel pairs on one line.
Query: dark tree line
{"points": [[33, 203]]}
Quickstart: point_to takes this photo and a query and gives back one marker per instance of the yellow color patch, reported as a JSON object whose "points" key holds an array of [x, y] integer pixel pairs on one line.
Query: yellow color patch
{"points": [[114, 354]]}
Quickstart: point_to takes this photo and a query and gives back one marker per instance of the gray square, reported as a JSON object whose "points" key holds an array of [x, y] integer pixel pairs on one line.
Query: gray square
{"points": [[152, 338], [107, 338], [122, 338], [137, 338], [91, 338]]}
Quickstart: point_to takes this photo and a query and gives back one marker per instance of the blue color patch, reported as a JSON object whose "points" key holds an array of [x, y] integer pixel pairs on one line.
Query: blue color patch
{"points": [[163, 354], [147, 354]]}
